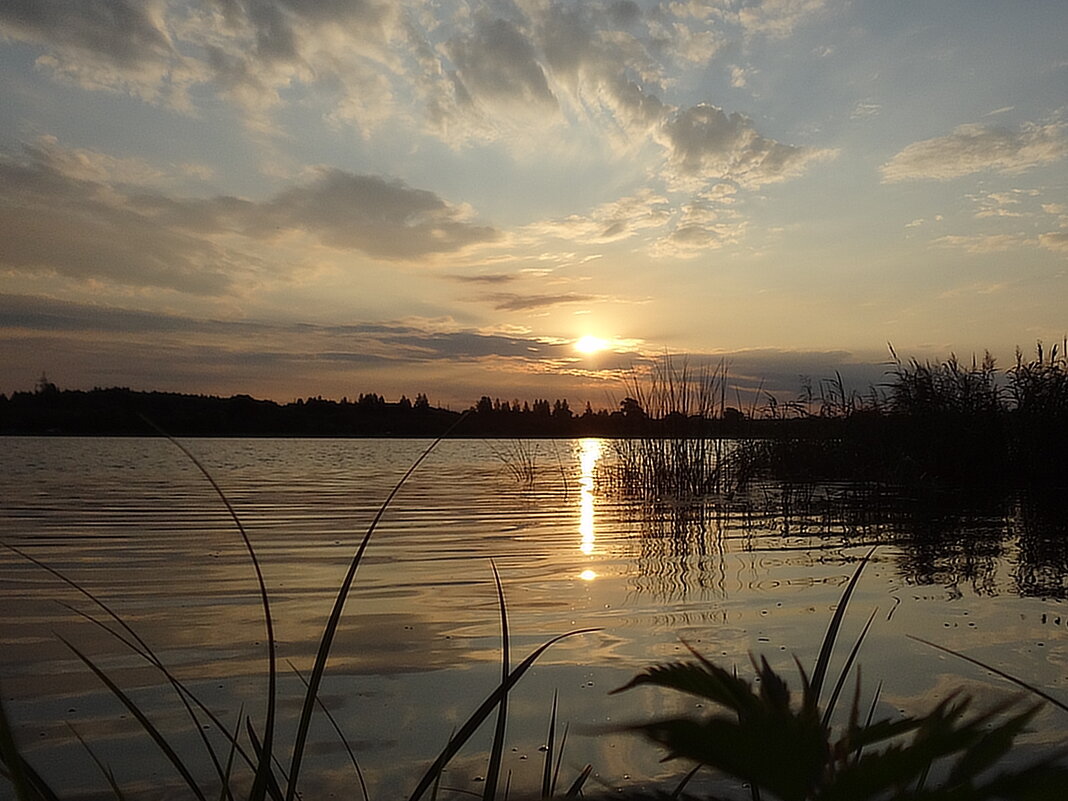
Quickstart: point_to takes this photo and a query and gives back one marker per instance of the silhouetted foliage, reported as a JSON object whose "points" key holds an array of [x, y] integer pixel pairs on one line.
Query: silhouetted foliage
{"points": [[929, 427]]}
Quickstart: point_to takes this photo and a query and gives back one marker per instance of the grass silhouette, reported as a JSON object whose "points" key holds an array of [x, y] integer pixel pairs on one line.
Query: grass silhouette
{"points": [[791, 751], [258, 751]]}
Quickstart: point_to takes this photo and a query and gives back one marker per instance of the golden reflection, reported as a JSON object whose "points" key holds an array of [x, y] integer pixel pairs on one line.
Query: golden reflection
{"points": [[588, 457], [587, 575]]}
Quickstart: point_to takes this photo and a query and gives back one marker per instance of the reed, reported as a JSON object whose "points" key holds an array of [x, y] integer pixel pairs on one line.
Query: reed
{"points": [[932, 426], [673, 449], [1038, 393]]}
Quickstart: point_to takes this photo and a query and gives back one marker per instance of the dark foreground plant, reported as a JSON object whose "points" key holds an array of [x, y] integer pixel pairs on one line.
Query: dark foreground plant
{"points": [[258, 750], [787, 748]]}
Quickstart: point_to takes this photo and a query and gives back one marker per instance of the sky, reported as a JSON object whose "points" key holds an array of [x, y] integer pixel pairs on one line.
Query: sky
{"points": [[287, 198]]}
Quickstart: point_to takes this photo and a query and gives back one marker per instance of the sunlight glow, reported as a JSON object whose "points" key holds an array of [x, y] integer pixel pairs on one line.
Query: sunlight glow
{"points": [[587, 575], [591, 452], [590, 344]]}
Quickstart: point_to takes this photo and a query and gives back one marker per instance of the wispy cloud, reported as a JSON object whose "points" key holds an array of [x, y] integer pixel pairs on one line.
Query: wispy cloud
{"points": [[516, 302], [983, 243], [486, 278], [977, 148], [1057, 241]]}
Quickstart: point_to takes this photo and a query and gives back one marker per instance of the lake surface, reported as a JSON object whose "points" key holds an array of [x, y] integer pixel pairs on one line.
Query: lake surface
{"points": [[134, 522]]}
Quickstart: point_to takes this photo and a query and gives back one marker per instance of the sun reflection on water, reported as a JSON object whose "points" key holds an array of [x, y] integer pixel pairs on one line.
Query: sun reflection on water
{"points": [[588, 458]]}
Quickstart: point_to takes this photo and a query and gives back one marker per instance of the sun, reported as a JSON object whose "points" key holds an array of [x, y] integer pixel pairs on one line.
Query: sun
{"points": [[590, 344]]}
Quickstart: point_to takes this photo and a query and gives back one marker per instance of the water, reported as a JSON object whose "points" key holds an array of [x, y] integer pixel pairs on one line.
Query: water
{"points": [[134, 522]]}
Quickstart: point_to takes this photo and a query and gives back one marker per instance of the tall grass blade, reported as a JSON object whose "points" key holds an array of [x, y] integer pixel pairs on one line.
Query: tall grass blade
{"points": [[547, 771], [224, 791], [327, 640], [1007, 676], [483, 711], [871, 716], [829, 710], [259, 784], [141, 717], [29, 786], [337, 729], [138, 645], [559, 759], [677, 792], [824, 659], [272, 787], [575, 790], [185, 695], [109, 774], [497, 750]]}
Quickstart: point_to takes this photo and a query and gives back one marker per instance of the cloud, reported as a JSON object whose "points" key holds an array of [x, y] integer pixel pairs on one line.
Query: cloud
{"points": [[978, 148], [514, 302], [773, 18], [487, 278], [383, 218], [865, 109], [123, 45], [128, 32], [1057, 241], [279, 342], [84, 345], [83, 164], [608, 222], [51, 222], [59, 213], [1003, 204], [983, 243], [497, 62], [597, 73], [776, 18], [248, 52], [475, 76], [705, 143]]}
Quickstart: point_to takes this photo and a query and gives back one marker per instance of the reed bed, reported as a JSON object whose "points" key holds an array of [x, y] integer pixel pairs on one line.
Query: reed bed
{"points": [[966, 427], [674, 450]]}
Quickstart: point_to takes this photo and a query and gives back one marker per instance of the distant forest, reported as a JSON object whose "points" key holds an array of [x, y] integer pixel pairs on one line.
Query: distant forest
{"points": [[125, 412]]}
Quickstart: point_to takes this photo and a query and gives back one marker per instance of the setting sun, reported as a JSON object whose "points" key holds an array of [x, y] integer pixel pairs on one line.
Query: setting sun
{"points": [[590, 344]]}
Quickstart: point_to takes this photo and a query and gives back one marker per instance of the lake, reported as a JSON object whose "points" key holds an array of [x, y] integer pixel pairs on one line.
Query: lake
{"points": [[134, 522]]}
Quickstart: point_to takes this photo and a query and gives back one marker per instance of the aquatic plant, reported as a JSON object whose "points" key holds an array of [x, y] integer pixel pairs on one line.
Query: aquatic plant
{"points": [[672, 416], [787, 747], [1038, 392], [258, 751]]}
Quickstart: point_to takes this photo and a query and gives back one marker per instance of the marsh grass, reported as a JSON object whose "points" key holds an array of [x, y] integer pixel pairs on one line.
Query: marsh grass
{"points": [[248, 763], [950, 425], [674, 450], [787, 748]]}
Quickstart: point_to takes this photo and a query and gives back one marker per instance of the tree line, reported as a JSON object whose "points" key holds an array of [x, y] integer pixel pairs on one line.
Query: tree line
{"points": [[120, 411]]}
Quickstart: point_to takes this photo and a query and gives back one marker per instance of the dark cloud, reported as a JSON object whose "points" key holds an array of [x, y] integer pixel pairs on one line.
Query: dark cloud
{"points": [[498, 62], [513, 302], [489, 278], [124, 32], [382, 218], [368, 213], [84, 345], [51, 221], [753, 375], [706, 143], [366, 342]]}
